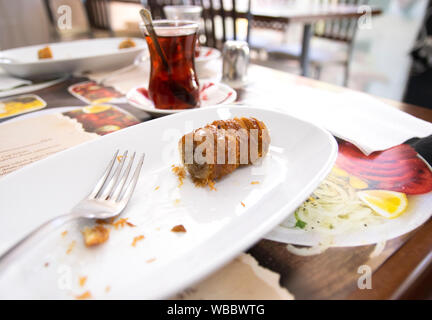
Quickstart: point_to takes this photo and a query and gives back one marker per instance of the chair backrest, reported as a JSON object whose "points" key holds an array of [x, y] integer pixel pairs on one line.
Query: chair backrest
{"points": [[98, 14], [338, 29], [219, 16], [224, 15]]}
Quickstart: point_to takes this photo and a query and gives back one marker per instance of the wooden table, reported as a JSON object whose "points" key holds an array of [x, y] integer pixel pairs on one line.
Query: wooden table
{"points": [[403, 270], [307, 15]]}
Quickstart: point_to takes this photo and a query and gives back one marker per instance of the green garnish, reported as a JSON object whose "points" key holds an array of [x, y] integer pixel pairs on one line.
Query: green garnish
{"points": [[300, 224]]}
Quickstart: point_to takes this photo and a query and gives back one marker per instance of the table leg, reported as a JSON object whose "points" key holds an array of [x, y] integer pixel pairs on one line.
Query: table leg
{"points": [[304, 59]]}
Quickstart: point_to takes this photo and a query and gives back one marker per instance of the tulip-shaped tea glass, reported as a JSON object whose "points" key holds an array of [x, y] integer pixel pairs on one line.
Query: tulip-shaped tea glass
{"points": [[173, 81]]}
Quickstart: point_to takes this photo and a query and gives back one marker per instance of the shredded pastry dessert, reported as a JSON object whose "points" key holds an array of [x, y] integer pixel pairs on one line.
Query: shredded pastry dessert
{"points": [[96, 235]]}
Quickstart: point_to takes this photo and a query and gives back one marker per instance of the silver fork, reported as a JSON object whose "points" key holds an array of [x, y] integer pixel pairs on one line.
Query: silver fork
{"points": [[108, 199]]}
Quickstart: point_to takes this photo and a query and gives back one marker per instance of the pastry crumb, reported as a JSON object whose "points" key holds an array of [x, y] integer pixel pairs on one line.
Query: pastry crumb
{"points": [[157, 188], [176, 202], [205, 183], [85, 295], [64, 233], [95, 236], [107, 289], [45, 53], [180, 172], [127, 43], [242, 204], [178, 228], [82, 281], [46, 264], [151, 260], [120, 223], [255, 182], [71, 246], [136, 239], [120, 158]]}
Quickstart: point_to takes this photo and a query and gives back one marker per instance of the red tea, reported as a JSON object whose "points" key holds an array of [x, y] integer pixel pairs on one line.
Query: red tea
{"points": [[175, 85]]}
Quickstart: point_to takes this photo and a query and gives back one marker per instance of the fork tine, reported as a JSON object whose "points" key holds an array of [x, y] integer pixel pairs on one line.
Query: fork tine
{"points": [[114, 179], [120, 187], [104, 177], [132, 183]]}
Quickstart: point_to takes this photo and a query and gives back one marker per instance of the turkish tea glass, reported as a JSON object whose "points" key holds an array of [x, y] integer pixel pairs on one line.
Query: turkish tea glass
{"points": [[173, 82], [185, 12]]}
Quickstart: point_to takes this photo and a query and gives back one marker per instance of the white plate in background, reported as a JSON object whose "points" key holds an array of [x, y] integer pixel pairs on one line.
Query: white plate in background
{"points": [[71, 56], [218, 225]]}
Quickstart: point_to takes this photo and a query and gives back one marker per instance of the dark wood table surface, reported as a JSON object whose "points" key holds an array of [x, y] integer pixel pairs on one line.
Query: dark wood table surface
{"points": [[403, 270]]}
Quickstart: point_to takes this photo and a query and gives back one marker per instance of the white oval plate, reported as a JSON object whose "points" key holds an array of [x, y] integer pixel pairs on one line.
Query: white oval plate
{"points": [[218, 226], [211, 94], [71, 56]]}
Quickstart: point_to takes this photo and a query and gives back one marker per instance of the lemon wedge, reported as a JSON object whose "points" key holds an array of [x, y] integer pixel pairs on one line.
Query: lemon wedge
{"points": [[389, 204]]}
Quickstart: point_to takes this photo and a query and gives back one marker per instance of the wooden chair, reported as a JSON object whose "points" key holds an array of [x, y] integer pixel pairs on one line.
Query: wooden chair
{"points": [[98, 15], [216, 17]]}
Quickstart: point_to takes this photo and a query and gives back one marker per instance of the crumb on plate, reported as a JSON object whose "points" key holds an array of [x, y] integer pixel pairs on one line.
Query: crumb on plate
{"points": [[120, 223], [82, 281], [64, 233], [157, 188], [85, 295], [136, 239], [151, 260], [45, 53], [242, 204], [46, 264], [107, 289], [180, 172], [127, 43], [178, 228], [205, 183], [70, 247], [177, 202], [95, 236], [255, 182]]}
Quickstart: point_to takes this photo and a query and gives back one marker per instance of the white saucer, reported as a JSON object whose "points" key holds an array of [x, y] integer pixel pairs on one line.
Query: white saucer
{"points": [[211, 94]]}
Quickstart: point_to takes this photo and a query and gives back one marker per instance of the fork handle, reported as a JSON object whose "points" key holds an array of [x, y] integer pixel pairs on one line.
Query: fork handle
{"points": [[20, 247]]}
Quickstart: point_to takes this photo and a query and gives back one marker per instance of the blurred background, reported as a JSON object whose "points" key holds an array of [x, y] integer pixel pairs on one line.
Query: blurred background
{"points": [[389, 55]]}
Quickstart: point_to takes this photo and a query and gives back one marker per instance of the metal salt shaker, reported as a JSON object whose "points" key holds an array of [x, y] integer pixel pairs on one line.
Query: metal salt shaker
{"points": [[235, 63]]}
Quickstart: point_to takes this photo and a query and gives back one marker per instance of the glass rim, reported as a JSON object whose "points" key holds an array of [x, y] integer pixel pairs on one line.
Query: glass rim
{"points": [[171, 24]]}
